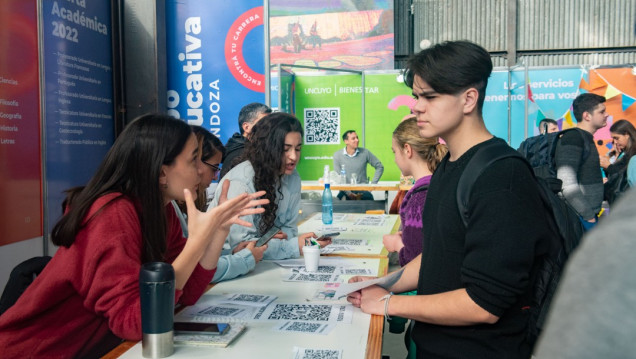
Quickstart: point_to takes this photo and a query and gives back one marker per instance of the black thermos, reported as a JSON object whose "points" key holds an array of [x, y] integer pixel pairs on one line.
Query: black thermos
{"points": [[156, 291]]}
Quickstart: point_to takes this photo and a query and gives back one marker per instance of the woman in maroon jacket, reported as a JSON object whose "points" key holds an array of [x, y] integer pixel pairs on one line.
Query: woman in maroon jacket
{"points": [[87, 297]]}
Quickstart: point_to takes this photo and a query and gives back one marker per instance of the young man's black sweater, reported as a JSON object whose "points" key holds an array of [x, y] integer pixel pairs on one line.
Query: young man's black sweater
{"points": [[492, 258]]}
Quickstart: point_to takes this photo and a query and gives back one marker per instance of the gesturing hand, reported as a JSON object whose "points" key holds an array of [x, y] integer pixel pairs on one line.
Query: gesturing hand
{"points": [[221, 217], [239, 208]]}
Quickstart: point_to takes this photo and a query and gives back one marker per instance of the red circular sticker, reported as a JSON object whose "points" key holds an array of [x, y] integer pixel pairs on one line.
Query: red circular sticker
{"points": [[234, 49]]}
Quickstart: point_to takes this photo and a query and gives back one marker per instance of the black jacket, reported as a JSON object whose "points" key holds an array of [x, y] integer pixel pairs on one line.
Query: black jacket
{"points": [[233, 149]]}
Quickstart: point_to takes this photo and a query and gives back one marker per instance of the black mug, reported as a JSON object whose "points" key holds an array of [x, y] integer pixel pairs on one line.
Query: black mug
{"points": [[156, 292]]}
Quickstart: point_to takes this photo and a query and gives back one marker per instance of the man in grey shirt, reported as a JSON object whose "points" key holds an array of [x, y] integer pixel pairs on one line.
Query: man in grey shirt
{"points": [[581, 175], [355, 160]]}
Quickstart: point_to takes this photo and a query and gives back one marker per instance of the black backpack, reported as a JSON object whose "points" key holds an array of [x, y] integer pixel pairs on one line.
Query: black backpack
{"points": [[539, 151], [564, 224], [617, 183]]}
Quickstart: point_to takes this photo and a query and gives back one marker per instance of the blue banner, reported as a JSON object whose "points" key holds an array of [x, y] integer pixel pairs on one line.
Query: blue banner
{"points": [[78, 116], [550, 93], [216, 62]]}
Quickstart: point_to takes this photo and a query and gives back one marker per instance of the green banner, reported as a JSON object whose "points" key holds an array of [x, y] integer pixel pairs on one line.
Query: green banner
{"points": [[329, 105]]}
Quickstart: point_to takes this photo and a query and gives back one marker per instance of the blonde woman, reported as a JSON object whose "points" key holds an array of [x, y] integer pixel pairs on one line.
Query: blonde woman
{"points": [[418, 157]]}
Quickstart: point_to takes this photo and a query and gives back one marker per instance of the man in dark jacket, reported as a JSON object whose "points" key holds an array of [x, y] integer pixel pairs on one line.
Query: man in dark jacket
{"points": [[248, 116]]}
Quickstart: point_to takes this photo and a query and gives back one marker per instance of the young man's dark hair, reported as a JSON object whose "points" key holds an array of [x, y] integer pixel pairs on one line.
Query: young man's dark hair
{"points": [[585, 103], [545, 124], [249, 113], [451, 67]]}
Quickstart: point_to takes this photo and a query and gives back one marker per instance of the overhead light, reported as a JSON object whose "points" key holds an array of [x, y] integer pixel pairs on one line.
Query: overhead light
{"points": [[425, 43]]}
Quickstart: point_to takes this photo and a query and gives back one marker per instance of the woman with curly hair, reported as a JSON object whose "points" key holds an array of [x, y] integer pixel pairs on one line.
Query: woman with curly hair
{"points": [[269, 165]]}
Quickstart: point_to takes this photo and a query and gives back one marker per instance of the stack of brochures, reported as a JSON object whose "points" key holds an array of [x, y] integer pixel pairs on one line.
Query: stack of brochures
{"points": [[210, 339]]}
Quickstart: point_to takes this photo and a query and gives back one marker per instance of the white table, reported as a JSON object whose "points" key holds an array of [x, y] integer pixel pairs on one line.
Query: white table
{"points": [[362, 338], [352, 227]]}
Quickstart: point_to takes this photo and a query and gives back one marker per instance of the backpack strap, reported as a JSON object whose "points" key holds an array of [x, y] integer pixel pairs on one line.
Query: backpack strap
{"points": [[482, 159]]}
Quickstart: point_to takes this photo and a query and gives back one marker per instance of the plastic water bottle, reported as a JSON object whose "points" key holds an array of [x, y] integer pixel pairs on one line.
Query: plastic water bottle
{"points": [[327, 199], [327, 205], [343, 174]]}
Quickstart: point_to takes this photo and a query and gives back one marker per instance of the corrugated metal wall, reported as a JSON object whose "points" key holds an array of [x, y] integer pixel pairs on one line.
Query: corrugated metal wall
{"points": [[548, 32], [481, 21], [575, 24]]}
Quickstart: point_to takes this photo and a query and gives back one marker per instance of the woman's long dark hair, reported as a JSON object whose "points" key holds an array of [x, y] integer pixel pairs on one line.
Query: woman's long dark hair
{"points": [[131, 167], [265, 151], [624, 127]]}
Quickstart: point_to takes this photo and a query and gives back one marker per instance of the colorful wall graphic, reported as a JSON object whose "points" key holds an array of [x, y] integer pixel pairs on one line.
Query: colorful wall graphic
{"points": [[215, 61], [331, 104], [20, 162], [332, 33]]}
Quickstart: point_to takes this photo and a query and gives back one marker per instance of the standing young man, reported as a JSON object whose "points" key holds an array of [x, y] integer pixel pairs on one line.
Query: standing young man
{"points": [[472, 281], [577, 167], [249, 115]]}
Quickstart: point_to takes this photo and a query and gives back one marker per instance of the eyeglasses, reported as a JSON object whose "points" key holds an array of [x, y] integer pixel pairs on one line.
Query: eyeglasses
{"points": [[216, 168]]}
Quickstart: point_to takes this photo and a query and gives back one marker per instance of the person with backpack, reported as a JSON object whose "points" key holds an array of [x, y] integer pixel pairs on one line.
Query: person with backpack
{"points": [[592, 315], [578, 170], [548, 125], [624, 139], [473, 281]]}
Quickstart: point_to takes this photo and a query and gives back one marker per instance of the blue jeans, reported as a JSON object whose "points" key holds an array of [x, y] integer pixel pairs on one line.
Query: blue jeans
{"points": [[588, 225]]}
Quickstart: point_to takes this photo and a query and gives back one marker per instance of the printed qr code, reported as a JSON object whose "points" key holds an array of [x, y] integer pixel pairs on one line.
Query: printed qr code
{"points": [[356, 271], [326, 269], [313, 277], [220, 311], [303, 327], [348, 242], [316, 312], [321, 354], [322, 126], [341, 313], [254, 298]]}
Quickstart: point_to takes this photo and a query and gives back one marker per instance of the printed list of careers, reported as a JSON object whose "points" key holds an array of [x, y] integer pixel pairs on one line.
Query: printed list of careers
{"points": [[81, 105], [10, 114]]}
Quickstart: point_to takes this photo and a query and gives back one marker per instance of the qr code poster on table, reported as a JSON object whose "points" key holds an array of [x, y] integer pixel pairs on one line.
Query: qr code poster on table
{"points": [[306, 353], [308, 313], [322, 126]]}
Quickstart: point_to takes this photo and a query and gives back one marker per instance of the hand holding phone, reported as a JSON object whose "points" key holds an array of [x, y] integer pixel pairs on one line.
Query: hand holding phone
{"points": [[267, 236], [201, 328], [330, 235]]}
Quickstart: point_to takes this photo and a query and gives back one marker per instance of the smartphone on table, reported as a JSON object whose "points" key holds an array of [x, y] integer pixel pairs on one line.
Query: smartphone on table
{"points": [[331, 235], [267, 236], [201, 328]]}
